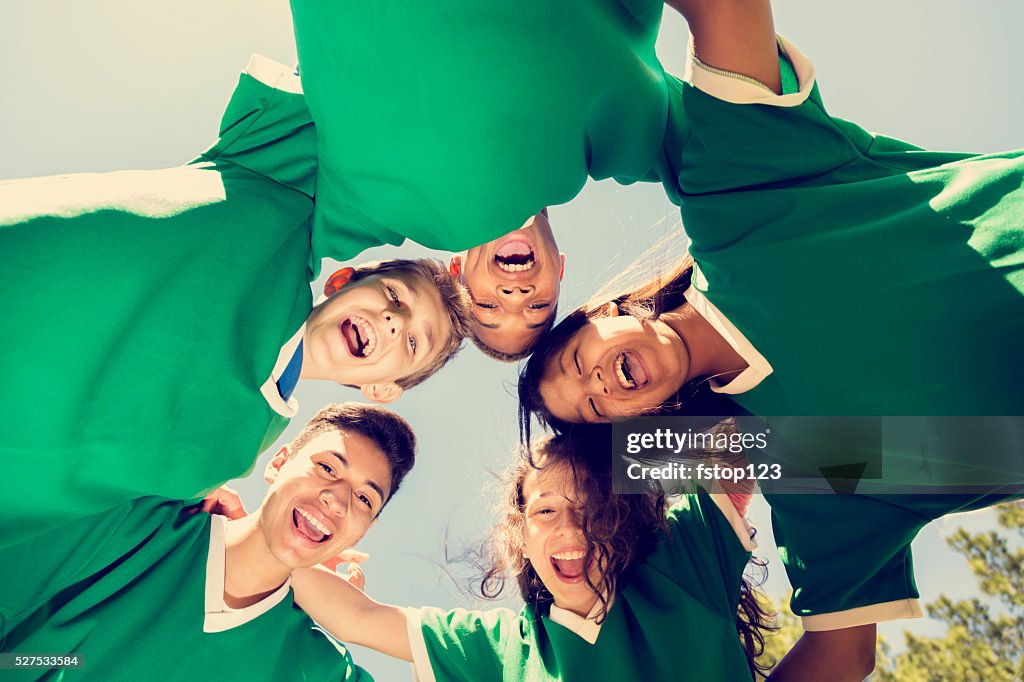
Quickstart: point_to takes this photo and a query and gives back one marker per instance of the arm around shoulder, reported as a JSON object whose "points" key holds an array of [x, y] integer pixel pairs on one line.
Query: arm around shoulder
{"points": [[348, 614], [846, 655]]}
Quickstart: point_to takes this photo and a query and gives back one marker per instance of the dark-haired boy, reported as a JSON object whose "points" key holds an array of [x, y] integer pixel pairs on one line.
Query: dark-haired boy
{"points": [[152, 590], [514, 282]]}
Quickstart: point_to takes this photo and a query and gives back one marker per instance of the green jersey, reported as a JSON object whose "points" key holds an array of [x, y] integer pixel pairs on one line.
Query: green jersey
{"points": [[672, 617], [458, 120], [128, 590], [875, 278], [147, 308]]}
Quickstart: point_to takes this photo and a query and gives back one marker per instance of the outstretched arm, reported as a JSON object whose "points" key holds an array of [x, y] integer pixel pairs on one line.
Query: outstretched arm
{"points": [[734, 35], [840, 655], [348, 614]]}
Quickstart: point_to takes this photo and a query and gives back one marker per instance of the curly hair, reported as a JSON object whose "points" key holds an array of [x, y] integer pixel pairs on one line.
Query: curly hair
{"points": [[619, 530]]}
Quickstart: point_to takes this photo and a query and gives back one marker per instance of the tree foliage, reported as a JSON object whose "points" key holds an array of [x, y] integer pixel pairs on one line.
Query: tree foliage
{"points": [[980, 644]]}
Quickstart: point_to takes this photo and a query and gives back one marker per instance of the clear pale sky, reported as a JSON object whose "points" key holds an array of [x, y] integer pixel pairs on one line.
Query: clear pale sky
{"points": [[109, 85]]}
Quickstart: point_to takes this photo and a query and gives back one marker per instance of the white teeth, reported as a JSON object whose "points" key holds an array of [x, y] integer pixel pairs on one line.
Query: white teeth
{"points": [[366, 331], [620, 363], [516, 267], [313, 522], [568, 556]]}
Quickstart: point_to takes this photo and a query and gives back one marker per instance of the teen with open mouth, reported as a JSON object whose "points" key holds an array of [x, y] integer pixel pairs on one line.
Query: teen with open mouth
{"points": [[616, 586], [833, 272], [200, 595], [514, 282]]}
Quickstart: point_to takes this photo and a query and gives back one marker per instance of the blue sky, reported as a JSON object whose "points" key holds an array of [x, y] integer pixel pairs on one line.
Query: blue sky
{"points": [[111, 85]]}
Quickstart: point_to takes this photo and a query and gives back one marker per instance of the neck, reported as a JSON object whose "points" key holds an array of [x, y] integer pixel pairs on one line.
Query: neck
{"points": [[710, 354], [251, 572]]}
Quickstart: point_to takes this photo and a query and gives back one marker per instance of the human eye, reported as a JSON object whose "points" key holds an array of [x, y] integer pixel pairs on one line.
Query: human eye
{"points": [[593, 406], [486, 306], [393, 295], [538, 306], [366, 501], [412, 344], [326, 468], [576, 362]]}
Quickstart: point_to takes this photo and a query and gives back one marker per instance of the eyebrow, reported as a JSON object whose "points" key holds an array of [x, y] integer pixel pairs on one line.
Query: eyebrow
{"points": [[370, 483], [428, 331]]}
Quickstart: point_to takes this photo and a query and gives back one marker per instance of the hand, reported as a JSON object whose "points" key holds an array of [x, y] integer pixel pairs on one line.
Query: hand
{"points": [[355, 576], [223, 501]]}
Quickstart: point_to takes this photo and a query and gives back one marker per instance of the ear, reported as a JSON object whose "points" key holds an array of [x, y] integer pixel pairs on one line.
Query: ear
{"points": [[455, 267], [275, 464], [338, 280], [382, 393], [561, 273]]}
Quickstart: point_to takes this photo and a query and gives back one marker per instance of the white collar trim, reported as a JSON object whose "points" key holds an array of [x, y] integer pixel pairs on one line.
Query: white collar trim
{"points": [[738, 89], [220, 616], [269, 389], [586, 628], [757, 366]]}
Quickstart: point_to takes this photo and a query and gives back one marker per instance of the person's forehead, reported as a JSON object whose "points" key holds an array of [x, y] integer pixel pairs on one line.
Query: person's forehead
{"points": [[361, 453], [551, 480]]}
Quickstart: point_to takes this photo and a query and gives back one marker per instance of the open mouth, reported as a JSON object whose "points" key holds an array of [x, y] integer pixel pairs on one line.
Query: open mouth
{"points": [[515, 256], [568, 565], [359, 337], [630, 371], [310, 527]]}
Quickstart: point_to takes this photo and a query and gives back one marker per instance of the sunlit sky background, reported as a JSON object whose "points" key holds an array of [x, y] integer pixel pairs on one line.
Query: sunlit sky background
{"points": [[109, 85]]}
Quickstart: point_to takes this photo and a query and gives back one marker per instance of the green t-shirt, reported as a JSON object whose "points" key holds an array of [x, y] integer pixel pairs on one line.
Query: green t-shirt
{"points": [[142, 312], [126, 589], [673, 618], [877, 279], [451, 123]]}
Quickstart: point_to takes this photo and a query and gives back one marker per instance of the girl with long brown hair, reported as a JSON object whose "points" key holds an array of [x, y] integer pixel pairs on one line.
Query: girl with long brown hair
{"points": [[617, 586]]}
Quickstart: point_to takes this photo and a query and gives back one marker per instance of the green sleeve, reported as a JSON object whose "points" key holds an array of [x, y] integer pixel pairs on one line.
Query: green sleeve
{"points": [[268, 130], [702, 554], [466, 645], [844, 551], [451, 123]]}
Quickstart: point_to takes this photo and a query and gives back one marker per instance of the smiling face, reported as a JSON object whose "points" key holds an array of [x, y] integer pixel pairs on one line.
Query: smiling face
{"points": [[514, 282], [375, 330], [614, 367], [553, 539], [324, 497]]}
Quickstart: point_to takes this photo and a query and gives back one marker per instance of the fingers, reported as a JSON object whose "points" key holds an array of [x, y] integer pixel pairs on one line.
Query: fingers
{"points": [[352, 556], [356, 578]]}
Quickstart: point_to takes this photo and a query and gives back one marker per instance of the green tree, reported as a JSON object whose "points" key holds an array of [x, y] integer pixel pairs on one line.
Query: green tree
{"points": [[978, 646]]}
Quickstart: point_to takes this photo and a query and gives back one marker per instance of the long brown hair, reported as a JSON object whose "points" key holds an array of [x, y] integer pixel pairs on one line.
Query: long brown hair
{"points": [[619, 529]]}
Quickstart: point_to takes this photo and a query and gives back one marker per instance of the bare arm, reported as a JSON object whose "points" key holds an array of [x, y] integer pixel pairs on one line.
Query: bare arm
{"points": [[846, 655], [348, 614], [734, 35]]}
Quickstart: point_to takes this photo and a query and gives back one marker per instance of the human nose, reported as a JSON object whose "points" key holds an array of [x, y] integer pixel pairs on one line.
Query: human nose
{"points": [[395, 322], [568, 525], [336, 497], [595, 382], [516, 294]]}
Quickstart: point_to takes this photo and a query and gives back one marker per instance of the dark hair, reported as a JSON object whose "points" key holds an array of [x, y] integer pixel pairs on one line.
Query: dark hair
{"points": [[519, 355], [658, 294], [387, 430], [619, 528], [454, 299]]}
